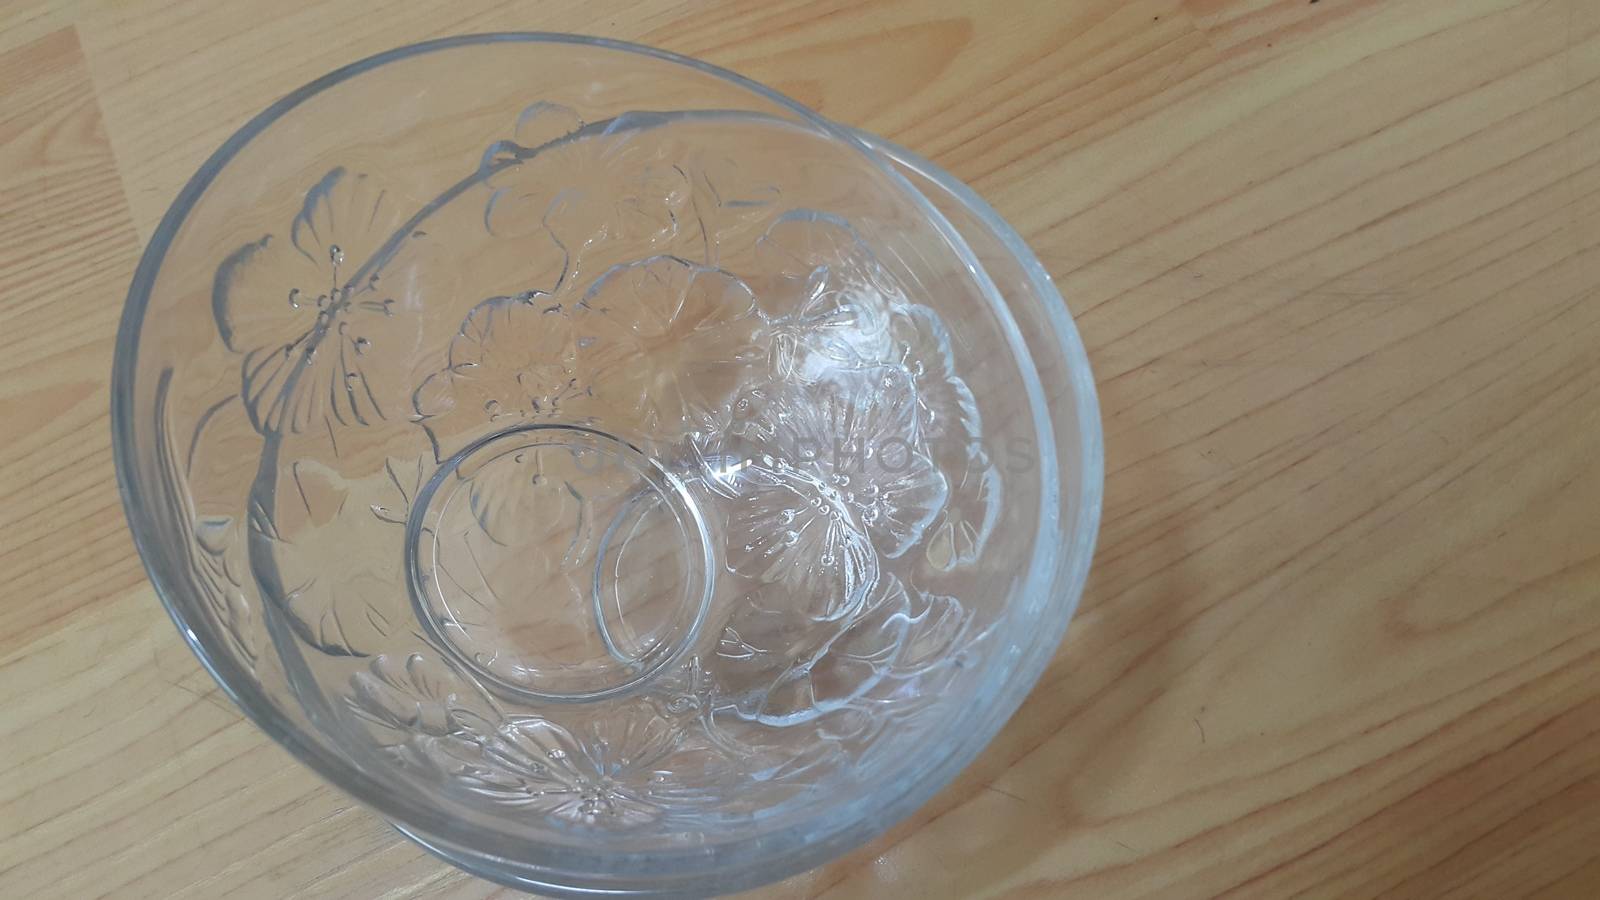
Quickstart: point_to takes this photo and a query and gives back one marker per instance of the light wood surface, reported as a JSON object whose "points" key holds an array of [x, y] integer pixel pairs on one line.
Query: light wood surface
{"points": [[1337, 265]]}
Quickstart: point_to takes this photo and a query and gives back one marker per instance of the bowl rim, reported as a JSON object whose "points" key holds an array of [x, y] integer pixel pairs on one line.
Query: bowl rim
{"points": [[733, 865]]}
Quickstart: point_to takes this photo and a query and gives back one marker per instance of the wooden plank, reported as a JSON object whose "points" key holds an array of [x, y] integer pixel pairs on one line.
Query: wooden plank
{"points": [[1338, 268]]}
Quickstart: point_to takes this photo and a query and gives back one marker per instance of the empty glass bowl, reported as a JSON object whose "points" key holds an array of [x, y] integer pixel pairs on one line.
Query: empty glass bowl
{"points": [[619, 477]]}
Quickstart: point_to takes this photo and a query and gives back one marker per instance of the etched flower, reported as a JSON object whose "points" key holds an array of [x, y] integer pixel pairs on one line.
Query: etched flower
{"points": [[326, 315], [426, 715], [845, 683], [624, 769], [405, 697], [779, 666], [941, 646], [683, 692], [330, 541], [938, 631], [601, 193], [947, 414], [826, 294], [615, 187], [958, 536], [665, 343], [796, 531], [627, 768], [513, 359], [835, 469]]}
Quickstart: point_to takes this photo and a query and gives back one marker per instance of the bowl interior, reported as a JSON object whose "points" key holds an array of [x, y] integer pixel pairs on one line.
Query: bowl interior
{"points": [[601, 466]]}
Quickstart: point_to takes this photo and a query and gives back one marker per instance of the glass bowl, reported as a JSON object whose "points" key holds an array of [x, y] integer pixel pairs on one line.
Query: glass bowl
{"points": [[617, 476]]}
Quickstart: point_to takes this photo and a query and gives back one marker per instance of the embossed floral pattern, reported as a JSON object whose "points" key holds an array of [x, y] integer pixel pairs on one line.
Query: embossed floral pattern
{"points": [[402, 697], [781, 667], [427, 716], [600, 198], [616, 771], [325, 314], [835, 463], [948, 416], [698, 328], [794, 530], [957, 537], [826, 295], [730, 206], [878, 672], [938, 629], [617, 193], [332, 576], [513, 360], [801, 389]]}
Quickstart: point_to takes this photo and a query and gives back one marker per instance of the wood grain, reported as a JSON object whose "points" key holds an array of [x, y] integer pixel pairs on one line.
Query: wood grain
{"points": [[1338, 268]]}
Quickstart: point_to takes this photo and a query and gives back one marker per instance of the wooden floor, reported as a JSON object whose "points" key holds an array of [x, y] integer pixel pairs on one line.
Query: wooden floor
{"points": [[1337, 265]]}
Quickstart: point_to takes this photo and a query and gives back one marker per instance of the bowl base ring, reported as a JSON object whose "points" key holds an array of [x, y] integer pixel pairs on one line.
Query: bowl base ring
{"points": [[558, 563]]}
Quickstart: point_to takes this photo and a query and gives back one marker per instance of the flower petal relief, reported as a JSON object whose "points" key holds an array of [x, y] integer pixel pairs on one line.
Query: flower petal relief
{"points": [[513, 360], [404, 699], [664, 345], [826, 294], [837, 474], [615, 771], [948, 415], [780, 667], [601, 192], [327, 540], [326, 314]]}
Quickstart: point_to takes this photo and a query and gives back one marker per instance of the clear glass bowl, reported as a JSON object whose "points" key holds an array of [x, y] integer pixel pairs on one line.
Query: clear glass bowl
{"points": [[619, 477]]}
